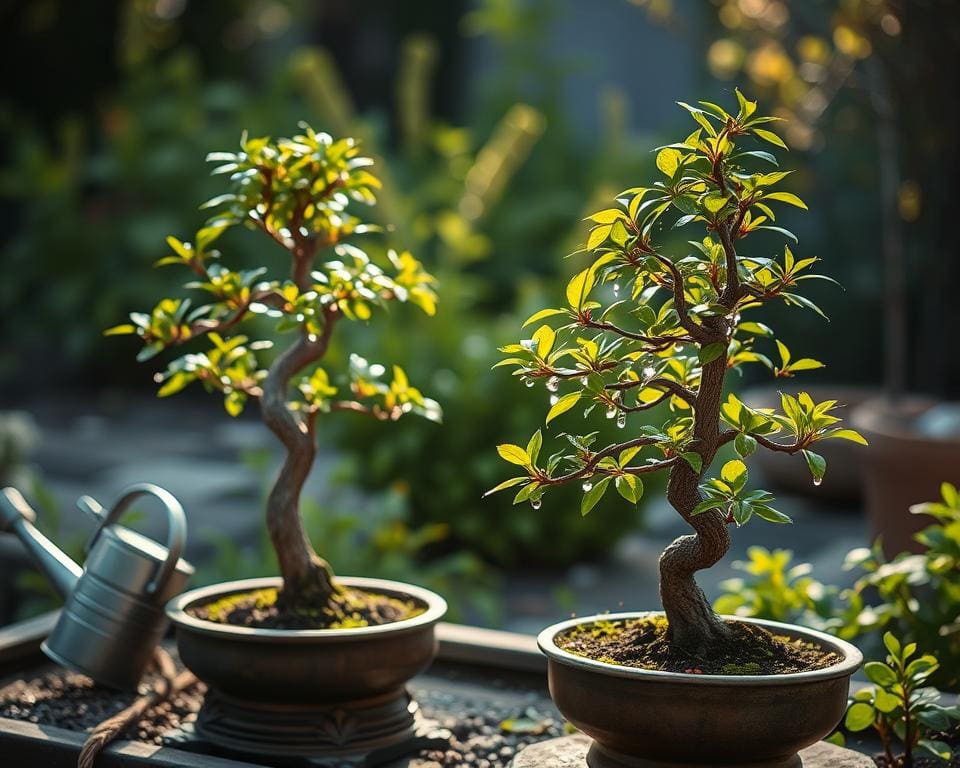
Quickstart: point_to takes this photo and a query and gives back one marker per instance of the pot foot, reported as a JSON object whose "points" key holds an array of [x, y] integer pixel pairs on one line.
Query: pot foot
{"points": [[351, 735], [580, 752]]}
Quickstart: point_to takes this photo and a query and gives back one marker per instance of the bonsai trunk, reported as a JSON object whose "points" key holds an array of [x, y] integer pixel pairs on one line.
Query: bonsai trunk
{"points": [[692, 624], [307, 578]]}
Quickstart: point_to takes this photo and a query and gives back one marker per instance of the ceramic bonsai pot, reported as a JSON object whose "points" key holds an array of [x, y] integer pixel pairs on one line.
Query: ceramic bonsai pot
{"points": [[335, 693], [904, 465], [651, 719], [843, 481]]}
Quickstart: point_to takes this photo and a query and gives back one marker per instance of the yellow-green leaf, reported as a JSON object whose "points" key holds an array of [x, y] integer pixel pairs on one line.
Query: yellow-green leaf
{"points": [[668, 159], [608, 216], [514, 454], [563, 405], [770, 136], [598, 235]]}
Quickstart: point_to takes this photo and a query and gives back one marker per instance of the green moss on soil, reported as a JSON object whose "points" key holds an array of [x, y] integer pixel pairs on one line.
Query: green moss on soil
{"points": [[642, 643], [349, 609]]}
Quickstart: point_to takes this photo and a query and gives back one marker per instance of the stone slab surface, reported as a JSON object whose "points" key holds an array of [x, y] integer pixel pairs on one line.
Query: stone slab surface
{"points": [[571, 752]]}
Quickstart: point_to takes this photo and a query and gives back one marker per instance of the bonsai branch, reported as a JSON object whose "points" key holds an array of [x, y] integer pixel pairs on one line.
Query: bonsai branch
{"points": [[672, 387], [596, 458], [658, 342], [697, 332]]}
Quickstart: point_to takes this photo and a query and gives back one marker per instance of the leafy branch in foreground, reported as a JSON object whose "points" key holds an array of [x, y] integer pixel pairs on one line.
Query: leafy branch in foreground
{"points": [[640, 327], [297, 193]]}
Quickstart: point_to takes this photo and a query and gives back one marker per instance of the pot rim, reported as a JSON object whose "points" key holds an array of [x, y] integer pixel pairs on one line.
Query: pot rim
{"points": [[176, 612], [852, 657]]}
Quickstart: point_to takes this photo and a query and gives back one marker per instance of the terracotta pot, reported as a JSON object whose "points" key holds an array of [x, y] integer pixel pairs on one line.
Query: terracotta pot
{"points": [[902, 467], [843, 481], [650, 718], [316, 692]]}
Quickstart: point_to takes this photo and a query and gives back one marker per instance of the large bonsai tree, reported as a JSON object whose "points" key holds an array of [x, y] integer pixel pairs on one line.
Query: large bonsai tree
{"points": [[296, 192], [643, 327]]}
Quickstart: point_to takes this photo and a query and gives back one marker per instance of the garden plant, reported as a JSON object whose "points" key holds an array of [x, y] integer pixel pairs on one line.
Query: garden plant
{"points": [[649, 321], [299, 193], [901, 706]]}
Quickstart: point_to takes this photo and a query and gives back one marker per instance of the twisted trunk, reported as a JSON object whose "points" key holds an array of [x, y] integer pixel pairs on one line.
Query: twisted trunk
{"points": [[307, 578], [693, 625]]}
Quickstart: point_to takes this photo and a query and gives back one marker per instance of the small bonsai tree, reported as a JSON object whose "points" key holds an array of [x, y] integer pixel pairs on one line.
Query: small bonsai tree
{"points": [[296, 192], [641, 327]]}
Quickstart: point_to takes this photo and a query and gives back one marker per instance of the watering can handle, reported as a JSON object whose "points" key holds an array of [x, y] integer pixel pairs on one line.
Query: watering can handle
{"points": [[176, 525]]}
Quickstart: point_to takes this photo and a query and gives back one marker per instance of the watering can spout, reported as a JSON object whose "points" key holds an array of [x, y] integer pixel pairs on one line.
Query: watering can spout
{"points": [[17, 517]]}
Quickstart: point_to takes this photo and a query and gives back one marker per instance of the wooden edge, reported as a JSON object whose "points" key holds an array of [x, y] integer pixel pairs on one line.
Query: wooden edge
{"points": [[20, 642], [126, 753], [477, 646]]}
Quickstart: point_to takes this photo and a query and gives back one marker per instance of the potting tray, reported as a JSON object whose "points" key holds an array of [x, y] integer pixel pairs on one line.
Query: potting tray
{"points": [[487, 688]]}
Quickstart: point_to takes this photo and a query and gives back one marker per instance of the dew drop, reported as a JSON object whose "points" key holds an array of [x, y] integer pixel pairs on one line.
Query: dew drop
{"points": [[530, 383], [554, 399], [583, 381], [648, 373], [616, 287], [817, 480], [587, 486], [611, 413], [553, 384], [536, 503], [621, 420]]}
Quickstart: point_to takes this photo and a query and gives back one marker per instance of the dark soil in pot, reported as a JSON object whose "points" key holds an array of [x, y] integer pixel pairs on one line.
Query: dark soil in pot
{"points": [[642, 643], [349, 609]]}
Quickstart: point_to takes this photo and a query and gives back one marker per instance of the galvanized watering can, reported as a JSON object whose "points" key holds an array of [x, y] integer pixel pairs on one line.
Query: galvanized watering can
{"points": [[113, 617]]}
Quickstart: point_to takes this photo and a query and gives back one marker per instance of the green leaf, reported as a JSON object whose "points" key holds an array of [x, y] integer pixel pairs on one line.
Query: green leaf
{"points": [[711, 352], [770, 514], [608, 216], [579, 288], [817, 465], [707, 505], [598, 235], [695, 460], [545, 337], [846, 434], [859, 717], [563, 405], [668, 160], [591, 497], [120, 330], [786, 197], [508, 484], [744, 444], [879, 673], [182, 250], [771, 137], [892, 644], [234, 402], [175, 383], [543, 313], [630, 487], [805, 364], [884, 701], [734, 473], [514, 454], [533, 447]]}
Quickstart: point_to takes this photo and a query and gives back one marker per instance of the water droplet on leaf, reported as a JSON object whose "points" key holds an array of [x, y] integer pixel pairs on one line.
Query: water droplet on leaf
{"points": [[553, 384], [530, 383], [621, 419], [817, 480], [611, 412], [587, 486], [553, 399], [536, 503]]}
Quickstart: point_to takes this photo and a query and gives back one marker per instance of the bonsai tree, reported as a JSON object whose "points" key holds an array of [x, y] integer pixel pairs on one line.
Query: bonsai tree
{"points": [[643, 326], [297, 193]]}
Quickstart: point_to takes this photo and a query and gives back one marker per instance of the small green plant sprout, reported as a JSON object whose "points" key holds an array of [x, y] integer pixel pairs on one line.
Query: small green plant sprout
{"points": [[900, 706], [297, 193], [641, 326]]}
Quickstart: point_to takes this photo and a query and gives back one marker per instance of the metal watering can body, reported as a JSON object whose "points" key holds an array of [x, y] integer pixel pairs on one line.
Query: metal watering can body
{"points": [[114, 612]]}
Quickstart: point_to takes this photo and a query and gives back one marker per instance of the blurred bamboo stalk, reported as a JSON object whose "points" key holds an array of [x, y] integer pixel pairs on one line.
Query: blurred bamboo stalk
{"points": [[418, 59], [511, 143]]}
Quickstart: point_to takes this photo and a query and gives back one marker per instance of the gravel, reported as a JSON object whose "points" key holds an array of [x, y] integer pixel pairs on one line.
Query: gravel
{"points": [[489, 725]]}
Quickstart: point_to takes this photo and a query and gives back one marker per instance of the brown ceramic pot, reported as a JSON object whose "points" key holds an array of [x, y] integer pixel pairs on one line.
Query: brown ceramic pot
{"points": [[306, 692], [651, 719], [902, 468]]}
